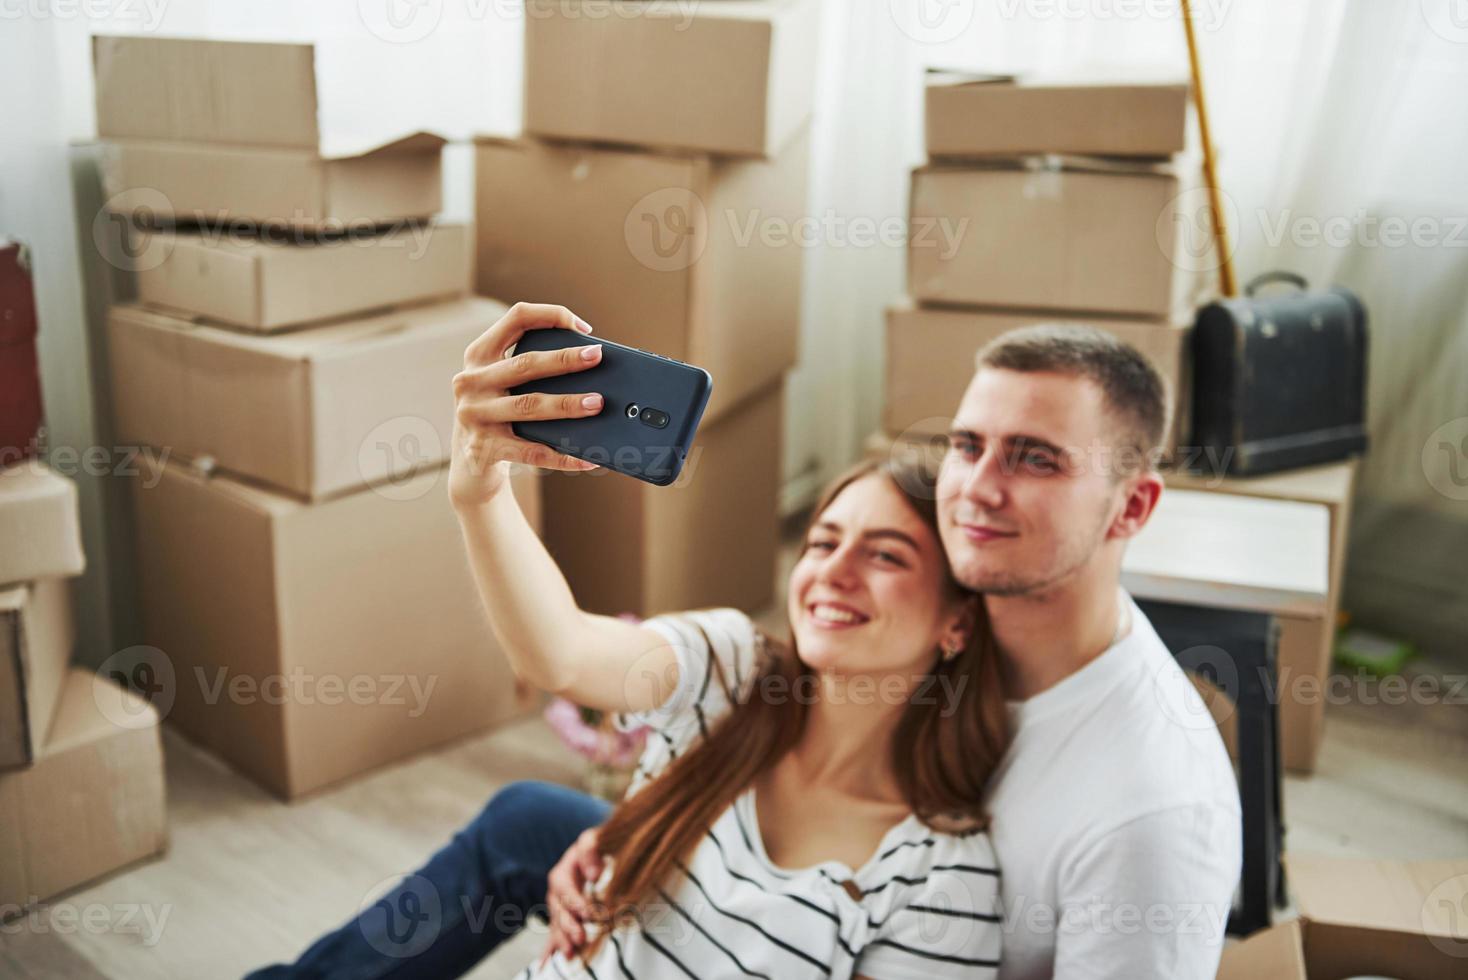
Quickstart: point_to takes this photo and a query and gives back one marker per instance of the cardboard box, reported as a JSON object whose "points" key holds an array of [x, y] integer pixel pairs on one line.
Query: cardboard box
{"points": [[1362, 918], [732, 77], [274, 281], [347, 186], [931, 356], [312, 642], [708, 540], [92, 803], [185, 90], [1106, 236], [971, 115], [689, 256], [1305, 644], [315, 412], [205, 131], [39, 524], [36, 640]]}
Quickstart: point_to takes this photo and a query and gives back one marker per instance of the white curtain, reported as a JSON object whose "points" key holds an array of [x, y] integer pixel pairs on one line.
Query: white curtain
{"points": [[1351, 116]]}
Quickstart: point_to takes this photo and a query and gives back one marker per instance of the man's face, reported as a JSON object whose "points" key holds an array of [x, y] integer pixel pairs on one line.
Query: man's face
{"points": [[1025, 493]]}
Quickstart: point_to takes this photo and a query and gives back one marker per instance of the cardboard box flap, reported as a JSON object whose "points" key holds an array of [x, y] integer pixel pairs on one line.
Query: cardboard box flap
{"points": [[1278, 953], [348, 147], [1392, 896], [218, 91], [93, 708]]}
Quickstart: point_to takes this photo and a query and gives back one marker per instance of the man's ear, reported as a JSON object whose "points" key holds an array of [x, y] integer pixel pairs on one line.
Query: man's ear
{"points": [[1142, 493]]}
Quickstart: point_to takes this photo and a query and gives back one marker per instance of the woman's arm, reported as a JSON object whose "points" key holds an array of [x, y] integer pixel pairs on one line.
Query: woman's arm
{"points": [[596, 661]]}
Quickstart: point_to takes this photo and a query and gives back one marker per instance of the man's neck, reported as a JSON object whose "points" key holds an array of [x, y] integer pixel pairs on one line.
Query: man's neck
{"points": [[1046, 636]]}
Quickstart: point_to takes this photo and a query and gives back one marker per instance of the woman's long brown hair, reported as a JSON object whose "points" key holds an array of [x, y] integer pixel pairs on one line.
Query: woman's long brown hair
{"points": [[949, 751]]}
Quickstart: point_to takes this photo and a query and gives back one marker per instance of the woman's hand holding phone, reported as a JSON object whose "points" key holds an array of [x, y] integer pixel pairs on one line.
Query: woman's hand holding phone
{"points": [[483, 443]]}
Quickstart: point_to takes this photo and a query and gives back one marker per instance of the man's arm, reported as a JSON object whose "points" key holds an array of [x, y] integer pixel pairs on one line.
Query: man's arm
{"points": [[1150, 898]]}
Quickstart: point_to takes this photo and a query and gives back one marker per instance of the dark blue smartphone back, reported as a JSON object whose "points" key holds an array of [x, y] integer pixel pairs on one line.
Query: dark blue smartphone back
{"points": [[651, 410]]}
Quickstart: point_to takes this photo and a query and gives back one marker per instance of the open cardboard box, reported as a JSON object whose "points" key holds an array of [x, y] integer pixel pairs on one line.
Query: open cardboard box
{"points": [[217, 130], [272, 283], [36, 638], [1363, 918], [93, 802]]}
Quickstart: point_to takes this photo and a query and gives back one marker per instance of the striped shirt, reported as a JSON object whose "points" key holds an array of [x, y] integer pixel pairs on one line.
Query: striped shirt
{"points": [[926, 905]]}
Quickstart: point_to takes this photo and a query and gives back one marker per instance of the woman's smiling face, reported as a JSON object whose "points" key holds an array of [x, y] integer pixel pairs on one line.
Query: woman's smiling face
{"points": [[870, 593]]}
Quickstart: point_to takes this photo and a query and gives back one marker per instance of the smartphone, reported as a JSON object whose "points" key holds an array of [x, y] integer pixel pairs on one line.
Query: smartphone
{"points": [[651, 407]]}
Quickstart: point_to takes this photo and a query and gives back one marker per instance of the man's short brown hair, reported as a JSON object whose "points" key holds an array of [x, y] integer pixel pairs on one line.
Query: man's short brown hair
{"points": [[1132, 386]]}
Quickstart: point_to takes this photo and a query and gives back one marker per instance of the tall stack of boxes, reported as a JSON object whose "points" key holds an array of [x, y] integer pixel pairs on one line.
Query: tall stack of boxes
{"points": [[81, 762], [288, 361], [661, 147], [1045, 201]]}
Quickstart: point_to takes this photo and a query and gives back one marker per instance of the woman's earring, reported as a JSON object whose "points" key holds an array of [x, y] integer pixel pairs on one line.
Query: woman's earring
{"points": [[950, 652]]}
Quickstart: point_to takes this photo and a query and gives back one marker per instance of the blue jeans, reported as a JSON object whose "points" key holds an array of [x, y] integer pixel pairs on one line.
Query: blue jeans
{"points": [[475, 893]]}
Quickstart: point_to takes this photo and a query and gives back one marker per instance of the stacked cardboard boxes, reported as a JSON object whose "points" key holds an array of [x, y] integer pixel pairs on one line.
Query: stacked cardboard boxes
{"points": [[81, 763], [299, 320], [1044, 201], [662, 147]]}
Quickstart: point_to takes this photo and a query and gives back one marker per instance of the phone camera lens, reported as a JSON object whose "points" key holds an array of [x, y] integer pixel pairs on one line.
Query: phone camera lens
{"points": [[633, 411]]}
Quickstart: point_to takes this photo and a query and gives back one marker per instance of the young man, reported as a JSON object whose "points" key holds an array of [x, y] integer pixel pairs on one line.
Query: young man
{"points": [[1115, 822], [1116, 826]]}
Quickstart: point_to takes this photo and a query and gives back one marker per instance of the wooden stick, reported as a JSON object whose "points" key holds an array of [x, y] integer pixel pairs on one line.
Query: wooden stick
{"points": [[1226, 280]]}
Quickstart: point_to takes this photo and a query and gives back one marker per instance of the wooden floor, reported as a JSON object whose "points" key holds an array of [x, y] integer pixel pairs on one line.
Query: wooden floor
{"points": [[248, 880]]}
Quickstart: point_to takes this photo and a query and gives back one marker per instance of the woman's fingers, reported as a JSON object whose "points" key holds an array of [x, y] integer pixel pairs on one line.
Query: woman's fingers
{"points": [[527, 407], [543, 457], [488, 379], [491, 345]]}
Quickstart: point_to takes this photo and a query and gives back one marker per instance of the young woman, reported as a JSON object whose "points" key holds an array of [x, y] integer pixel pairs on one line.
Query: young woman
{"points": [[802, 810]]}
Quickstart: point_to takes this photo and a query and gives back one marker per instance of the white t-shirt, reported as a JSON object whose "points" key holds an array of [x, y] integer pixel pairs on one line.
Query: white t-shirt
{"points": [[928, 905], [1116, 818]]}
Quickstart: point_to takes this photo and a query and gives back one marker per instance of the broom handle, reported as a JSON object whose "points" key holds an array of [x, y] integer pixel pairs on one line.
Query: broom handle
{"points": [[1227, 282]]}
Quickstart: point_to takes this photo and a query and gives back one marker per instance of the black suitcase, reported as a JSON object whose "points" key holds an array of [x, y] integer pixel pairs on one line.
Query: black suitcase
{"points": [[1279, 382]]}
